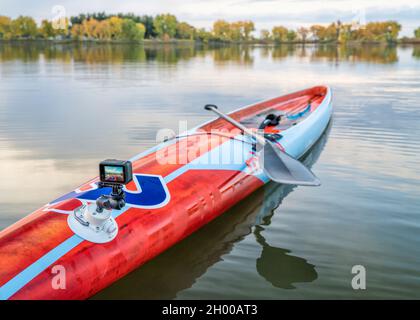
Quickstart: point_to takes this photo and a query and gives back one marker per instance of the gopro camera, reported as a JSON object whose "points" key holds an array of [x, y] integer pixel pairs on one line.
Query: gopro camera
{"points": [[115, 172]]}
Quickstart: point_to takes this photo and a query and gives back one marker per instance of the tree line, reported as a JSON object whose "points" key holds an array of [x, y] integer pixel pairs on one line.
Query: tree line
{"points": [[336, 31], [107, 27]]}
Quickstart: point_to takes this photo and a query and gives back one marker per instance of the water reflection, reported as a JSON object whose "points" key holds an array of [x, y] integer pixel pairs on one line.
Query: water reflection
{"points": [[281, 52], [281, 269], [277, 265], [365, 53], [238, 54], [179, 267], [172, 54], [416, 51]]}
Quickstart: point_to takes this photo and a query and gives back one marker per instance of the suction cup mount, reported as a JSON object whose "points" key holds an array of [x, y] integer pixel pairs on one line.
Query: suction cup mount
{"points": [[91, 225], [94, 222]]}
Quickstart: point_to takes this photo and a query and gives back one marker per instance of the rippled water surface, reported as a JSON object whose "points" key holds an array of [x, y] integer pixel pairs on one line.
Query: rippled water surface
{"points": [[65, 108]]}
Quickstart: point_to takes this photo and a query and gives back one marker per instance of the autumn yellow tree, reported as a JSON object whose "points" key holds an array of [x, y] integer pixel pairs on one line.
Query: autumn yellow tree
{"points": [[5, 27], [115, 25], [345, 33], [279, 33], [393, 28], [46, 30], [318, 31], [235, 31], [90, 28], [77, 31], [103, 30], [248, 28], [221, 30], [331, 32]]}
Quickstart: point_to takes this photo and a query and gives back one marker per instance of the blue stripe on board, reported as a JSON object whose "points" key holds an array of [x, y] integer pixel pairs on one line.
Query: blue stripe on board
{"points": [[25, 276]]}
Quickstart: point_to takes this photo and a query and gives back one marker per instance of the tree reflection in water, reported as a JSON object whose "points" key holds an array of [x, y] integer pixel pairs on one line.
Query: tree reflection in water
{"points": [[243, 55]]}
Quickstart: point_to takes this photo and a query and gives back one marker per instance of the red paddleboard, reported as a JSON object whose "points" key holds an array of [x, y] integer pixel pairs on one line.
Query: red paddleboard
{"points": [[178, 187]]}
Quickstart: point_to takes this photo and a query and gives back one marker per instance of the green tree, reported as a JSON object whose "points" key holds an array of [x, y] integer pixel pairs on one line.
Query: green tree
{"points": [[78, 19], [203, 35], [132, 31], [291, 35], [185, 31], [24, 27], [47, 30], [147, 21], [165, 25], [417, 32]]}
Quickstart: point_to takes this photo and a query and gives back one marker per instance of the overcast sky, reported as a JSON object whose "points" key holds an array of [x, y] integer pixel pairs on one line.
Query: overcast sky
{"points": [[265, 13]]}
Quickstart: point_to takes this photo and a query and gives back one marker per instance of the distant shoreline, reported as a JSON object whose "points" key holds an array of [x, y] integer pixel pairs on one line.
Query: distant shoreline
{"points": [[403, 41]]}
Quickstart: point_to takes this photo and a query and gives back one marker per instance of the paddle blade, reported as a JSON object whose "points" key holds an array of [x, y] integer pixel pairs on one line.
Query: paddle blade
{"points": [[282, 168]]}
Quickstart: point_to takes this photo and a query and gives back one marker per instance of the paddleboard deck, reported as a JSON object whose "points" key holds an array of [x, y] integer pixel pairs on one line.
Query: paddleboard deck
{"points": [[178, 187]]}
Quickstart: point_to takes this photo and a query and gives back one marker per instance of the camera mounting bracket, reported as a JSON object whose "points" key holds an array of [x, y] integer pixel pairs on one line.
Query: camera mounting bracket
{"points": [[91, 225]]}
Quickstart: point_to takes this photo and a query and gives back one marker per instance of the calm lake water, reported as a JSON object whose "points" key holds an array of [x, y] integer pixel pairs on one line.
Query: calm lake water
{"points": [[64, 108]]}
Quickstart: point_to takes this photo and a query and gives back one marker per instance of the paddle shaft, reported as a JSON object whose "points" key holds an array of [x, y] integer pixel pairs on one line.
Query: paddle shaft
{"points": [[249, 132], [277, 165]]}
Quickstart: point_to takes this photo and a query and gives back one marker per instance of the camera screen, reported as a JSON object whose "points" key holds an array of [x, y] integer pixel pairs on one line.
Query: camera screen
{"points": [[114, 174]]}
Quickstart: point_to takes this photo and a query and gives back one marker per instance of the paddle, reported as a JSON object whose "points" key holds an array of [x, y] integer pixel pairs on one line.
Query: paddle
{"points": [[277, 165]]}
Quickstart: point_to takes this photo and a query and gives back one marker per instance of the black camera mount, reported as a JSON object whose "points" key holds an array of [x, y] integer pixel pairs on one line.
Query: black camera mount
{"points": [[115, 200]]}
